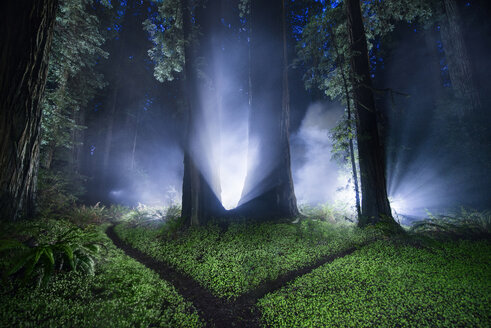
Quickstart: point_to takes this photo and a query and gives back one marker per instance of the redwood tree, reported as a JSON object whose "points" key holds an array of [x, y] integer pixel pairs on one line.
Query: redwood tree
{"points": [[268, 190], [375, 204], [459, 63], [200, 202], [26, 28]]}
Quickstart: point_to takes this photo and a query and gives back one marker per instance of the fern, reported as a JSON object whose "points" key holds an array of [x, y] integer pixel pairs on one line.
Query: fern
{"points": [[465, 224], [76, 247]]}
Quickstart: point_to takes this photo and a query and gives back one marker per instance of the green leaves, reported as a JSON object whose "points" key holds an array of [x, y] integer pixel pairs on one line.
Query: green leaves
{"points": [[466, 224], [75, 246], [387, 284], [166, 32], [122, 292], [72, 80], [233, 262]]}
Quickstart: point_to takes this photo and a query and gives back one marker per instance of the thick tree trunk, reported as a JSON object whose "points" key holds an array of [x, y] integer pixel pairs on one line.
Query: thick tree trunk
{"points": [[458, 60], [375, 204], [199, 200], [268, 191], [26, 28]]}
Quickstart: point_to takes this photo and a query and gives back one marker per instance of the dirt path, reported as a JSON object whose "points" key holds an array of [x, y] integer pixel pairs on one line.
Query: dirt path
{"points": [[219, 312]]}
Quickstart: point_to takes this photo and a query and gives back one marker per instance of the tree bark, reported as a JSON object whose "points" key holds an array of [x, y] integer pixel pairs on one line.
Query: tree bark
{"points": [[109, 136], [26, 28], [268, 191], [78, 136], [200, 202], [375, 204], [458, 60]]}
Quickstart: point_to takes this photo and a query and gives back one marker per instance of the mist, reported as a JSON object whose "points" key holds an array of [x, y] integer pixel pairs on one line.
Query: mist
{"points": [[426, 171], [318, 178], [431, 167]]}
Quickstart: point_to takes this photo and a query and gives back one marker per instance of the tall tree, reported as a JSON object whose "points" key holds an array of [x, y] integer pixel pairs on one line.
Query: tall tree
{"points": [[180, 52], [26, 28], [268, 191], [458, 60], [200, 190], [375, 204], [72, 80]]}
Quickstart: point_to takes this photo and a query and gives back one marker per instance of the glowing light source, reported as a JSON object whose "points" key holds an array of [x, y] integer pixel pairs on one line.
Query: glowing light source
{"points": [[399, 206], [233, 168]]}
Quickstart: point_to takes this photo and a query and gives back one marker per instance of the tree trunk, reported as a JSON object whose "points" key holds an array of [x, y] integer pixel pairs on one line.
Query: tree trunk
{"points": [[109, 137], [135, 138], [26, 28], [458, 60], [375, 204], [49, 153], [78, 139], [268, 191], [199, 200], [341, 64]]}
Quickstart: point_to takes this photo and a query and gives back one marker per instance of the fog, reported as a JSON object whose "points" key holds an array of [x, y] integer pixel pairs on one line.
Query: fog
{"points": [[428, 167], [318, 178]]}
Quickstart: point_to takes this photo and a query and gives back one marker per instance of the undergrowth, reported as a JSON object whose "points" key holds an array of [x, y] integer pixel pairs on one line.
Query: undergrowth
{"points": [[465, 224], [75, 249], [120, 293], [233, 262], [390, 285]]}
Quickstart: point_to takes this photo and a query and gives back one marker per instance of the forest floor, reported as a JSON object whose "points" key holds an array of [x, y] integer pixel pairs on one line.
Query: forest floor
{"points": [[311, 274], [217, 311]]}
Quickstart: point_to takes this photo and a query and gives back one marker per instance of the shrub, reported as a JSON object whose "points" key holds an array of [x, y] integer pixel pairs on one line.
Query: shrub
{"points": [[121, 294], [143, 214], [116, 212], [75, 250], [153, 215], [466, 224], [86, 215], [173, 212], [58, 191], [339, 212]]}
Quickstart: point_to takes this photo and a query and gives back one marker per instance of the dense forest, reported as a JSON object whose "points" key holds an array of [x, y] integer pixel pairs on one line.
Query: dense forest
{"points": [[245, 163]]}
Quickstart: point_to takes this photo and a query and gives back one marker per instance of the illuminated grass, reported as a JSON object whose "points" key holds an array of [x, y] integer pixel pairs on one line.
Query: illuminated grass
{"points": [[122, 293], [233, 262], [386, 285]]}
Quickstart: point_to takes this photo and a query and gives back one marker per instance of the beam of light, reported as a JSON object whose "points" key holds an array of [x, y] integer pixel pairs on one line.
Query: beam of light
{"points": [[233, 166], [221, 129], [399, 206], [427, 184]]}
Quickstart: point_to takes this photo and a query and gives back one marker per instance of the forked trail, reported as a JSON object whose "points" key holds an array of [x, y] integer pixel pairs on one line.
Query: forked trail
{"points": [[219, 312]]}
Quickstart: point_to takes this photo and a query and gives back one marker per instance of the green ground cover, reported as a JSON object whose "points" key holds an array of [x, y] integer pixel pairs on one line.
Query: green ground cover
{"points": [[232, 262], [390, 285], [120, 293]]}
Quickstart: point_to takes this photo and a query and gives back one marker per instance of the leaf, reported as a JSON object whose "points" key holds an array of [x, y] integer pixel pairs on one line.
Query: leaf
{"points": [[20, 263], [8, 244], [69, 254], [49, 253], [38, 252]]}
